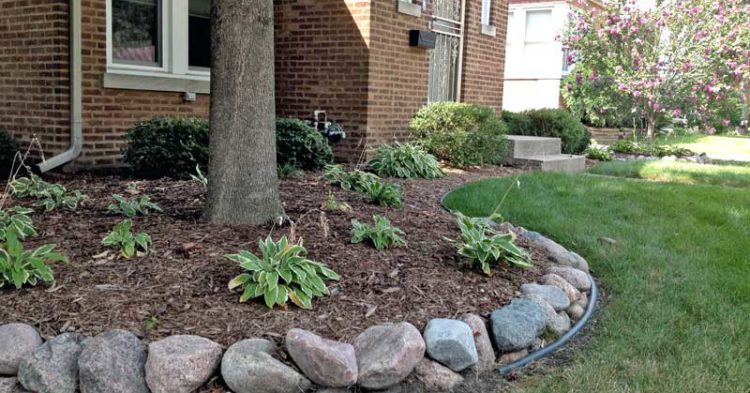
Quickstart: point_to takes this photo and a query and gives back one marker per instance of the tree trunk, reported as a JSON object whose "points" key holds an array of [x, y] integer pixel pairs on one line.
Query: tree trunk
{"points": [[745, 120], [242, 178], [650, 129]]}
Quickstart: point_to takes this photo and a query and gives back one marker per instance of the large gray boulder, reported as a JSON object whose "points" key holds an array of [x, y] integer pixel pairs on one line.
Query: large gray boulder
{"points": [[249, 367], [181, 364], [559, 323], [451, 342], [578, 278], [550, 293], [113, 362], [16, 341], [53, 366], [482, 341], [516, 325], [327, 363], [437, 377], [387, 354], [556, 252]]}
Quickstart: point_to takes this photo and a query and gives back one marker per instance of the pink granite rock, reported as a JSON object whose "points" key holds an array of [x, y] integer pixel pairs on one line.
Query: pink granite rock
{"points": [[482, 341], [575, 277], [327, 363], [387, 354], [437, 377], [570, 291]]}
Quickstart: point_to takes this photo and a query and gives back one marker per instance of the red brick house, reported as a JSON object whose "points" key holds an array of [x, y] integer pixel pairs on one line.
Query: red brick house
{"points": [[78, 73]]}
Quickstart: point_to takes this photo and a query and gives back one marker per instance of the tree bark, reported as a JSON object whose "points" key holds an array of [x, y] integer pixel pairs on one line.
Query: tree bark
{"points": [[242, 177], [745, 121], [650, 129]]}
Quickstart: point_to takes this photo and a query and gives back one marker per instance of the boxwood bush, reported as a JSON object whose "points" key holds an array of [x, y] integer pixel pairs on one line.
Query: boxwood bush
{"points": [[555, 123], [300, 145], [167, 146], [462, 134], [8, 148], [173, 147]]}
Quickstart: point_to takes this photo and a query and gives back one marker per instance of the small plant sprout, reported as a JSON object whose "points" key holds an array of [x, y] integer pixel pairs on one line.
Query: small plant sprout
{"points": [[332, 204], [382, 235], [129, 244], [131, 207], [49, 196], [19, 267], [199, 177], [282, 274], [485, 247]]}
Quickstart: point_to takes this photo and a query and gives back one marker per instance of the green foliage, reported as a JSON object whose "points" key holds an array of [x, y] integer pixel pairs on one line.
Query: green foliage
{"points": [[300, 145], [49, 196], [332, 204], [484, 246], [199, 177], [598, 153], [355, 180], [287, 171], [388, 195], [555, 123], [8, 149], [283, 273], [167, 146], [129, 244], [131, 207], [460, 133], [596, 101], [381, 235], [407, 160], [17, 219], [627, 146], [19, 267]]}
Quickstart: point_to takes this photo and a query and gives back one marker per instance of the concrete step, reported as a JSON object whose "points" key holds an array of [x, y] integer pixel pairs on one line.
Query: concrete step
{"points": [[529, 146], [553, 163]]}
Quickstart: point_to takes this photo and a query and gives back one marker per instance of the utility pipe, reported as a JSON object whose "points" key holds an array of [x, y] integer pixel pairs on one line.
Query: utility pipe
{"points": [[76, 88]]}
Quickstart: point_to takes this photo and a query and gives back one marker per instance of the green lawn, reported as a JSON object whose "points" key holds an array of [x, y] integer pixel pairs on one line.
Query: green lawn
{"points": [[678, 279], [677, 172], [717, 147]]}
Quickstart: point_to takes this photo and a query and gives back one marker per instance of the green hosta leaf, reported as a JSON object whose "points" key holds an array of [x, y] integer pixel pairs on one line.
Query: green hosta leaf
{"points": [[484, 246], [270, 296], [240, 280]]}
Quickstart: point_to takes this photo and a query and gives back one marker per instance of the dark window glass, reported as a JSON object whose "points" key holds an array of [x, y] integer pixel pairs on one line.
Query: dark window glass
{"points": [[199, 33], [136, 32]]}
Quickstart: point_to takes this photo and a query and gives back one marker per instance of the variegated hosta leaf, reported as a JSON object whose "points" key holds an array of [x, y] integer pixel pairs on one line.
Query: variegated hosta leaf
{"points": [[485, 246]]}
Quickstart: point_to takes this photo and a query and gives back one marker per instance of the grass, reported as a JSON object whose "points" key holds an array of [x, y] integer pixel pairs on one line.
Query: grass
{"points": [[677, 172], [718, 147], [678, 279]]}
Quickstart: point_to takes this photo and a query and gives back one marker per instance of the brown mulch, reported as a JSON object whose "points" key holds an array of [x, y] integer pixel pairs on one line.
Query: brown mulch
{"points": [[181, 287]]}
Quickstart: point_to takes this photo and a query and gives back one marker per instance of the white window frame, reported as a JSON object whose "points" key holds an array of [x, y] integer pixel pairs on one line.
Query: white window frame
{"points": [[486, 12], [174, 73]]}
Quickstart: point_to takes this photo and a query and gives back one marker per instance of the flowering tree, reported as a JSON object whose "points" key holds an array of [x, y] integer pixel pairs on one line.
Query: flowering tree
{"points": [[670, 60]]}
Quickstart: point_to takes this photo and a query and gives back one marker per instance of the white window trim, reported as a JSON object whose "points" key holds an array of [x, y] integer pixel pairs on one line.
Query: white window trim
{"points": [[410, 7], [174, 73], [486, 12]]}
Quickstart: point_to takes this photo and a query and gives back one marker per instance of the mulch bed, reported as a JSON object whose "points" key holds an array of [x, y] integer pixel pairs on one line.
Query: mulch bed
{"points": [[181, 287]]}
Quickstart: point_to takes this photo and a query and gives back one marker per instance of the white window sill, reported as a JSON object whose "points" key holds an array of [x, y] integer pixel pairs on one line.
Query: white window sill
{"points": [[489, 30], [134, 80], [409, 8]]}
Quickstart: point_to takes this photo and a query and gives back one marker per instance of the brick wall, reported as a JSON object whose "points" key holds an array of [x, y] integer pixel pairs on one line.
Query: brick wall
{"points": [[34, 79]]}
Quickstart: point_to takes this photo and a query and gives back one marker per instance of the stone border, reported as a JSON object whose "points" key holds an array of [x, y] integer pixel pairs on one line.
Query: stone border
{"points": [[381, 357]]}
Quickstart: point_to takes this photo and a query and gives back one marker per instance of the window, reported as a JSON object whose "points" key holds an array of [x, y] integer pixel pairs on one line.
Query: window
{"points": [[486, 11], [136, 32], [566, 65], [167, 38], [539, 40]]}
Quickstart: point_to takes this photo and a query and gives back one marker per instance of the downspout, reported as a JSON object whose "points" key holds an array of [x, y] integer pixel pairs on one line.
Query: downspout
{"points": [[460, 72], [76, 87]]}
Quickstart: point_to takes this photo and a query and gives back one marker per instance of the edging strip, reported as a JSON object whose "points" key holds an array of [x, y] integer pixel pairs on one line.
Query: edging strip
{"points": [[548, 350]]}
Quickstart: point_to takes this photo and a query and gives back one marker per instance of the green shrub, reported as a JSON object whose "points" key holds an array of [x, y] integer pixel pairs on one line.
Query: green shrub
{"points": [[627, 146], [8, 148], [300, 145], [131, 207], [167, 146], [19, 267], [484, 246], [129, 244], [381, 235], [407, 160], [597, 153], [49, 196], [288, 171], [460, 133], [283, 273], [555, 123], [17, 219]]}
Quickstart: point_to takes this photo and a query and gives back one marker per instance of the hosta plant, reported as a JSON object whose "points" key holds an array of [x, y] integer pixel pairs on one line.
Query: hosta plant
{"points": [[16, 218], [131, 207], [282, 273], [49, 196], [355, 180], [598, 153], [484, 246], [129, 244], [381, 235], [384, 194], [408, 160], [19, 267]]}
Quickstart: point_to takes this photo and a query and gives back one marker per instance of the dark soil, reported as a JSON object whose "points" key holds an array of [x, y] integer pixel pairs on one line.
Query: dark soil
{"points": [[181, 287]]}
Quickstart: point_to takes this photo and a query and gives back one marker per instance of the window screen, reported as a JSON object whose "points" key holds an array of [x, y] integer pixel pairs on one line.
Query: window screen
{"points": [[136, 32]]}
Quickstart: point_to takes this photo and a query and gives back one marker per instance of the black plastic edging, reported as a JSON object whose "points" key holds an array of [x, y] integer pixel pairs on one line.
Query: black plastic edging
{"points": [[548, 350]]}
